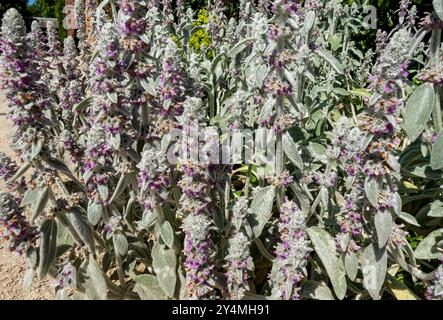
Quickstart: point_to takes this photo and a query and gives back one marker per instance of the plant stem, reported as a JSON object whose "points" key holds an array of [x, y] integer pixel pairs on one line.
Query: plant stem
{"points": [[434, 57], [120, 272]]}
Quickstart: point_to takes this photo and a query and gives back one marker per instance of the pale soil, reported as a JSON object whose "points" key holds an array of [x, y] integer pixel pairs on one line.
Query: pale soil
{"points": [[13, 267]]}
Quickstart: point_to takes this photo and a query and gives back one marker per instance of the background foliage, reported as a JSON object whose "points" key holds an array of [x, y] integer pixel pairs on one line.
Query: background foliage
{"points": [[20, 5]]}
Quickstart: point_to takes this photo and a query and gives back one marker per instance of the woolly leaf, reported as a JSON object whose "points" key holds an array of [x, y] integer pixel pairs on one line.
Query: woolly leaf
{"points": [[113, 97], [437, 153], [120, 244], [383, 226], [436, 210], [360, 93], [30, 197], [372, 191], [93, 280], [121, 185], [324, 246], [95, 213], [82, 105], [438, 7], [28, 279], [239, 47], [48, 246], [20, 172], [351, 265], [167, 234], [261, 209], [418, 110], [328, 57], [374, 266], [148, 287], [291, 150], [104, 191], [149, 86], [58, 165], [79, 221], [316, 290], [164, 263], [408, 218], [428, 247], [40, 205]]}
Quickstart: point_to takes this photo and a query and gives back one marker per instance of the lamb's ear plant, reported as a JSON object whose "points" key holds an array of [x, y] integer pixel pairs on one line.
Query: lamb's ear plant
{"points": [[125, 182]]}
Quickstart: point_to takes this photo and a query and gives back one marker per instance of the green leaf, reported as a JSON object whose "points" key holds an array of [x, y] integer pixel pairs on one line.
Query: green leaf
{"points": [[239, 47], [318, 151], [59, 165], [36, 148], [120, 244], [398, 203], [216, 61], [372, 191], [418, 110], [79, 221], [104, 191], [340, 92], [164, 263], [115, 141], [20, 172], [63, 235], [266, 110], [181, 286], [400, 290], [30, 197], [408, 218], [325, 248], [328, 57], [40, 205], [28, 279], [113, 97], [48, 246], [394, 164], [93, 280], [425, 171], [428, 247], [62, 249], [82, 105], [261, 209], [437, 153], [291, 151], [31, 257], [383, 226], [302, 196], [95, 213], [351, 265], [148, 287], [335, 41], [436, 210], [360, 93], [121, 185], [374, 266], [290, 78], [260, 74], [149, 86], [167, 234], [316, 290]]}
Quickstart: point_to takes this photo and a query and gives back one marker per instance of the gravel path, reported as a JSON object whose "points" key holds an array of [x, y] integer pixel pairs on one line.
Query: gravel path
{"points": [[13, 267]]}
